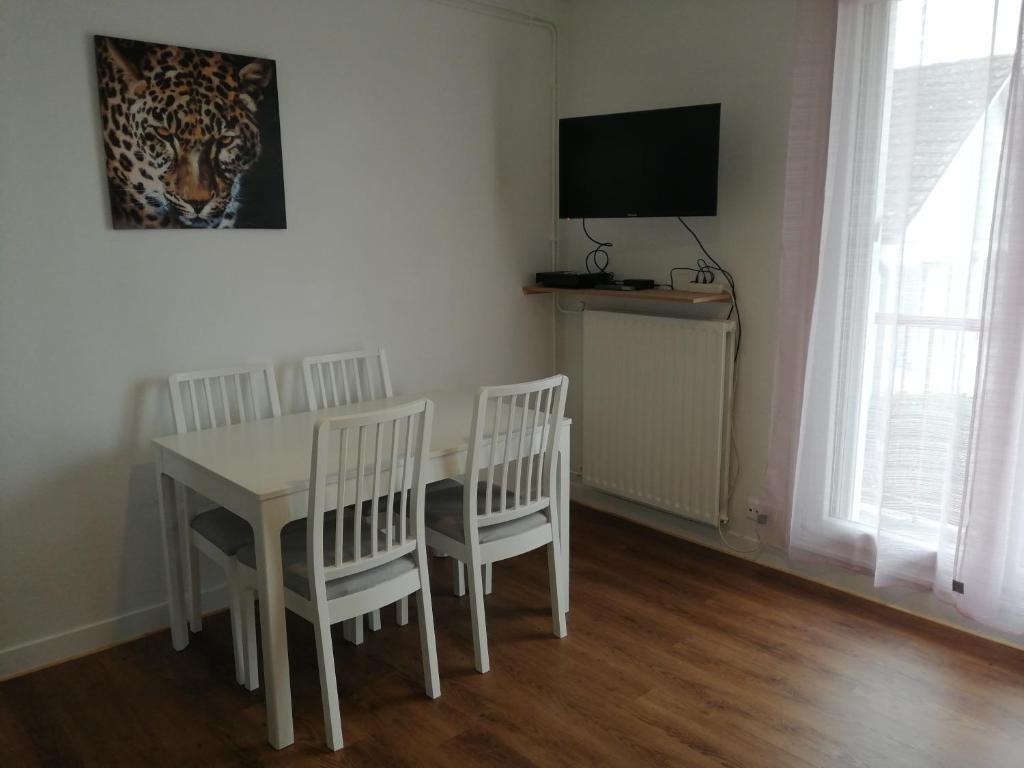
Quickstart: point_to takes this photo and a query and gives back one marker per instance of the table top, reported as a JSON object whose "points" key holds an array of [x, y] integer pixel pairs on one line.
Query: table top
{"points": [[271, 457]]}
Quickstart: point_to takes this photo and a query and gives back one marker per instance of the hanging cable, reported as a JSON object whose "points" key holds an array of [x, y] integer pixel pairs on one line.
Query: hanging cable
{"points": [[597, 252], [704, 274], [749, 551], [708, 266]]}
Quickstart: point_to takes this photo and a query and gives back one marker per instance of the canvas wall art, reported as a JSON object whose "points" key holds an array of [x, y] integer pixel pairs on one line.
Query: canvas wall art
{"points": [[192, 137]]}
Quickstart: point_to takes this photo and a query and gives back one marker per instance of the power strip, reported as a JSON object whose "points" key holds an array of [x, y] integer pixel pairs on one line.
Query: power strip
{"points": [[703, 287]]}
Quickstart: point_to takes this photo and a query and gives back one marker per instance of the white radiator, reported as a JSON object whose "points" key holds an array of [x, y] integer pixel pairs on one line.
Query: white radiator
{"points": [[657, 404]]}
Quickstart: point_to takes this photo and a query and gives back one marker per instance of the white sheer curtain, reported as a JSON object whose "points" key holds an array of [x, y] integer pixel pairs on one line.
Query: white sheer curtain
{"points": [[806, 161], [920, 108], [989, 559]]}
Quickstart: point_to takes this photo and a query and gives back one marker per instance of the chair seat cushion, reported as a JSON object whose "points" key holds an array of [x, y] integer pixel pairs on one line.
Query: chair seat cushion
{"points": [[296, 564], [225, 530], [298, 527], [443, 513]]}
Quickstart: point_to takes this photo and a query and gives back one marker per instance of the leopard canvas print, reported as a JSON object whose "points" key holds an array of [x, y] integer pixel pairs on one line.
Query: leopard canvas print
{"points": [[192, 137]]}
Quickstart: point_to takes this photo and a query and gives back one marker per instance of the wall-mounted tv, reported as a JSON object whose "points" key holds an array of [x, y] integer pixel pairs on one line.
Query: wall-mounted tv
{"points": [[659, 162]]}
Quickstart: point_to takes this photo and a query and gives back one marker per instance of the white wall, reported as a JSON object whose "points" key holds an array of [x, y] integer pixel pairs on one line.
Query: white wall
{"points": [[416, 144], [644, 54]]}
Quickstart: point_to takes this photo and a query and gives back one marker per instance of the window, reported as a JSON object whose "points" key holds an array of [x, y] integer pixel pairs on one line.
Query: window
{"points": [[919, 105]]}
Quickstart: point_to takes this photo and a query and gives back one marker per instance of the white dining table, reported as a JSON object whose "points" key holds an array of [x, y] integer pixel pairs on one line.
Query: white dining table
{"points": [[260, 471]]}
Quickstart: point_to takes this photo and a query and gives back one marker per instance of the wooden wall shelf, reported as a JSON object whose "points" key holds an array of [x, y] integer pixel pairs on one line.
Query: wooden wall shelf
{"points": [[654, 294]]}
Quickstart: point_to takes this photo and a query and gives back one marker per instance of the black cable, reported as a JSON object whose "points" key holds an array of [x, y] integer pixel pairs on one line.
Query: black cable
{"points": [[710, 257], [700, 272], [702, 269], [597, 252]]}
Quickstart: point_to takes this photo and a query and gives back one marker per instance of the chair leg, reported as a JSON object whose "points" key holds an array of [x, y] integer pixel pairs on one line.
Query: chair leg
{"points": [[402, 612], [476, 609], [236, 609], [458, 578], [196, 620], [488, 578], [328, 683], [555, 583], [374, 619], [352, 630], [428, 642], [252, 663]]}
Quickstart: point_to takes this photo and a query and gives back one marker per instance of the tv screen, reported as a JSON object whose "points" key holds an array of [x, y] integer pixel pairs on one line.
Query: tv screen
{"points": [[660, 162]]}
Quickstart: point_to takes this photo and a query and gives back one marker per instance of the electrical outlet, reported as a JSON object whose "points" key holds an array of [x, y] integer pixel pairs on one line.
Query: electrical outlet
{"points": [[755, 513]]}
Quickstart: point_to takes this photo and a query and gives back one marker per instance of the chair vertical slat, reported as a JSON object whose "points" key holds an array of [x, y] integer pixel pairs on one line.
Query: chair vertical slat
{"points": [[393, 478], [549, 426], [252, 396], [494, 455], [371, 390], [359, 385], [507, 452], [375, 499], [339, 521], [409, 422], [195, 405], [385, 374], [223, 381], [522, 446], [547, 399], [334, 384], [344, 381], [208, 392], [241, 400], [533, 435], [323, 388], [357, 517]]}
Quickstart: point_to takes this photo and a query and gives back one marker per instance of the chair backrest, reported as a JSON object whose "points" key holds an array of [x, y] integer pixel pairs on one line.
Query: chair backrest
{"points": [[346, 377], [513, 439], [377, 460], [217, 398]]}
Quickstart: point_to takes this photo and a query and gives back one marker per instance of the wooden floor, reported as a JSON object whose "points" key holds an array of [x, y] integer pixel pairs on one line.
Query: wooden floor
{"points": [[676, 656]]}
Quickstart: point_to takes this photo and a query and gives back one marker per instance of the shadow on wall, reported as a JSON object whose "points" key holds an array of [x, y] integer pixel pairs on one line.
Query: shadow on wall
{"points": [[141, 545], [99, 519]]}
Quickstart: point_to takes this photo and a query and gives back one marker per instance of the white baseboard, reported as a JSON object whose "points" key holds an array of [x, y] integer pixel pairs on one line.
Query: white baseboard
{"points": [[649, 517], [90, 638]]}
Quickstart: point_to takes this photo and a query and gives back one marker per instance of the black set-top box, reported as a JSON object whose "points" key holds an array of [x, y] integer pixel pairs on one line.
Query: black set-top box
{"points": [[574, 279]]}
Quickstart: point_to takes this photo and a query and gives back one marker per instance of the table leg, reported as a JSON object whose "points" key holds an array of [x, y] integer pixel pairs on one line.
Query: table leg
{"points": [[171, 536], [563, 510], [276, 674]]}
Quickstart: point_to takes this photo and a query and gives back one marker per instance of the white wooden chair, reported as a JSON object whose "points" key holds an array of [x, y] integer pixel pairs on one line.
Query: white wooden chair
{"points": [[343, 378], [202, 400], [505, 507], [339, 571]]}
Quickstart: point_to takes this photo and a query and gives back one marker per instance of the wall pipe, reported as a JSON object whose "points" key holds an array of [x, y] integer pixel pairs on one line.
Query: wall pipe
{"points": [[529, 19]]}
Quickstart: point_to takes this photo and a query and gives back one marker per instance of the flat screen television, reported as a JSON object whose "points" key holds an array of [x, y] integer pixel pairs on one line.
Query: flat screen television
{"points": [[659, 162]]}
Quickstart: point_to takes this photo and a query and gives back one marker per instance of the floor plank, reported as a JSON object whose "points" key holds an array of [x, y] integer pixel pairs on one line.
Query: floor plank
{"points": [[676, 655]]}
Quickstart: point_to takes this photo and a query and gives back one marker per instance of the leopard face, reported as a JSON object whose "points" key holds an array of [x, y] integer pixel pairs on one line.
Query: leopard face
{"points": [[180, 131]]}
